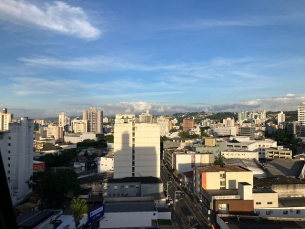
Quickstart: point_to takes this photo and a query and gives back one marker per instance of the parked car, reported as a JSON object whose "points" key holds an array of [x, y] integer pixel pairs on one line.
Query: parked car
{"points": [[170, 200]]}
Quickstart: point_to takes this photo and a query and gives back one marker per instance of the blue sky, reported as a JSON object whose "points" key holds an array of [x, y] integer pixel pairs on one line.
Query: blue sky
{"points": [[162, 56]]}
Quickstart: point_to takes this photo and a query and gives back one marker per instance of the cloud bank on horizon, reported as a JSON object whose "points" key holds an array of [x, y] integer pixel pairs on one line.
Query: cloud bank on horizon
{"points": [[288, 102], [201, 56]]}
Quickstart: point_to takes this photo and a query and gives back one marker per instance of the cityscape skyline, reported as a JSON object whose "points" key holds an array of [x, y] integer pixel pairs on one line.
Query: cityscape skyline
{"points": [[196, 56]]}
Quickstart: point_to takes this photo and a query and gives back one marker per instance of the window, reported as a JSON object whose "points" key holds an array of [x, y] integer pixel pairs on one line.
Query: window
{"points": [[8, 171], [258, 213], [126, 186], [137, 186], [298, 211], [285, 212], [9, 138], [9, 144], [258, 203], [8, 158], [122, 186], [131, 186], [269, 202], [9, 165], [109, 195], [115, 187], [9, 151], [268, 212]]}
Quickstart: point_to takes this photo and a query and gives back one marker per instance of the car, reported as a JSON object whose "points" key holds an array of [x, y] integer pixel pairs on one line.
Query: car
{"points": [[170, 200]]}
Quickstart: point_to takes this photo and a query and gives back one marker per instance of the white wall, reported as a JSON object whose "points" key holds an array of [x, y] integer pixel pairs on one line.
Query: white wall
{"points": [[183, 162], [105, 164], [279, 212], [240, 154]]}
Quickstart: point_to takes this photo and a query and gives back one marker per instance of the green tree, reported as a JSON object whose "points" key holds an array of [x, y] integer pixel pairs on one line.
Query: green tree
{"points": [[204, 134], [79, 208], [53, 188], [91, 143], [109, 139], [173, 130], [175, 173], [280, 135], [220, 160], [47, 145]]}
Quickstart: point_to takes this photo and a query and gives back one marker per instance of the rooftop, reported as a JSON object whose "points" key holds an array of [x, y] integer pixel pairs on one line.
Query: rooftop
{"points": [[130, 207], [280, 167], [268, 182], [218, 168], [292, 202], [95, 178], [143, 180], [257, 223]]}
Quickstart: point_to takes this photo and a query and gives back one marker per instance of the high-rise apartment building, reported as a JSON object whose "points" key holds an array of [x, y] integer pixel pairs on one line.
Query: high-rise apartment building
{"points": [[94, 119], [229, 122], [145, 117], [188, 124], [63, 120], [280, 117], [79, 126], [164, 125], [5, 119], [16, 149], [136, 148], [301, 114]]}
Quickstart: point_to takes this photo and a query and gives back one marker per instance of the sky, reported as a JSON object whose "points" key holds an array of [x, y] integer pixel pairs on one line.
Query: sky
{"points": [[163, 56]]}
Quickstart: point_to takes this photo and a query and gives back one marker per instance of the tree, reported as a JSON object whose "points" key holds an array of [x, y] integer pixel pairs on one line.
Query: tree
{"points": [[109, 139], [54, 187], [220, 160], [204, 134], [79, 208], [175, 173]]}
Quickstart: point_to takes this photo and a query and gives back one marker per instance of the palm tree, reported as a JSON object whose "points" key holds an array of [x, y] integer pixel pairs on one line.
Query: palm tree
{"points": [[79, 207]]}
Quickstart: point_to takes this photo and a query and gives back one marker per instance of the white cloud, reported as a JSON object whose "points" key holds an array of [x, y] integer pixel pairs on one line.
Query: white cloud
{"points": [[58, 16]]}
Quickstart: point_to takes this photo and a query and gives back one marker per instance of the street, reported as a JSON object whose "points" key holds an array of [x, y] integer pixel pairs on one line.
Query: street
{"points": [[186, 211]]}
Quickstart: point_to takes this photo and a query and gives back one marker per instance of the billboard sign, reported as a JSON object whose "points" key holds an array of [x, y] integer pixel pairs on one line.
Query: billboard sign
{"points": [[95, 213], [39, 167]]}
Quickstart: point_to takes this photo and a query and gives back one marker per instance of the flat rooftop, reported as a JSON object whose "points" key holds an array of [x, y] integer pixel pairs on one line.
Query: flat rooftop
{"points": [[268, 182], [280, 167], [33, 218], [292, 202], [143, 180], [95, 178], [145, 206], [218, 168], [256, 223]]}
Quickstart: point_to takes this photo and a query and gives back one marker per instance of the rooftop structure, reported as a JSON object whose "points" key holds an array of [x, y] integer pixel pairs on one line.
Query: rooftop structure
{"points": [[218, 168]]}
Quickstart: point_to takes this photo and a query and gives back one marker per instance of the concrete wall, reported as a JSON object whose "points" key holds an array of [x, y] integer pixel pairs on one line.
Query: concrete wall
{"points": [[121, 189], [105, 164], [148, 189], [232, 179], [240, 154], [289, 190], [292, 212], [183, 162], [264, 198], [170, 144], [241, 207], [212, 180]]}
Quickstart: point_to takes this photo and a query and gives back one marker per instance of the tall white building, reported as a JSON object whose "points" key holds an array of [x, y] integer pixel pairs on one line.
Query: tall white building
{"points": [[280, 117], [95, 120], [301, 114], [136, 148], [16, 148], [63, 120], [164, 124], [5, 119]]}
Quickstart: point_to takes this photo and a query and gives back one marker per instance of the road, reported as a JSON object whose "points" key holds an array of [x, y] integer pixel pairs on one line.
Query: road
{"points": [[185, 210]]}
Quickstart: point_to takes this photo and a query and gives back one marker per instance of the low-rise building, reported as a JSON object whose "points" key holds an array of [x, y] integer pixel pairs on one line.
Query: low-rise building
{"points": [[240, 154], [278, 152]]}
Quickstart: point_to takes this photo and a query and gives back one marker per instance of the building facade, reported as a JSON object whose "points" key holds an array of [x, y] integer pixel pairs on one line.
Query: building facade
{"points": [[136, 148], [301, 114], [5, 119], [94, 119], [16, 146]]}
